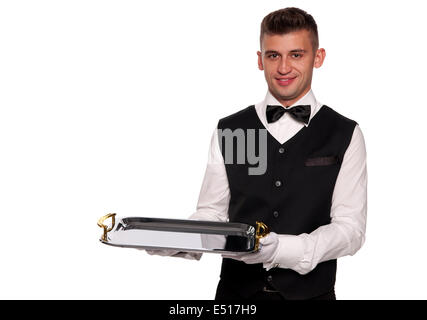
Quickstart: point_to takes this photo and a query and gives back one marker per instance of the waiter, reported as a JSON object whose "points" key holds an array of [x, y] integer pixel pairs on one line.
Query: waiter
{"points": [[313, 191]]}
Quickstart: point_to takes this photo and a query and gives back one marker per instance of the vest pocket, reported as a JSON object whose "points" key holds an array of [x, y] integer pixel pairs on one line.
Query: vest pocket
{"points": [[321, 161]]}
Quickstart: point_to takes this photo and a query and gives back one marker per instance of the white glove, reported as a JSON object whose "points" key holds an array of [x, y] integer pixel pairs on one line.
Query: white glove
{"points": [[175, 253], [269, 246]]}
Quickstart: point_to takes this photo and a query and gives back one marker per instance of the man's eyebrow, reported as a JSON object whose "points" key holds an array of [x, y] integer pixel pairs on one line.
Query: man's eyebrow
{"points": [[270, 51], [291, 51]]}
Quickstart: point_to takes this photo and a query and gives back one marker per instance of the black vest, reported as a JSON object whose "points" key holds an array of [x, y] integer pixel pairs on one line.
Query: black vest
{"points": [[306, 167]]}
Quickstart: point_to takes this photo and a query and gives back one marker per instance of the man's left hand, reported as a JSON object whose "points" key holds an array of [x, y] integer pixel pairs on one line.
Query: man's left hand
{"points": [[269, 245]]}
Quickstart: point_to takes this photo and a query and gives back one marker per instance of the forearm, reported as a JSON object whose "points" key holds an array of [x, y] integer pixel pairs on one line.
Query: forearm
{"points": [[209, 215], [302, 253]]}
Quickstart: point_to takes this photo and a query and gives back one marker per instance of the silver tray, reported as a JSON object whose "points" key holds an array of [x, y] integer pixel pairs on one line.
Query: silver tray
{"points": [[181, 235]]}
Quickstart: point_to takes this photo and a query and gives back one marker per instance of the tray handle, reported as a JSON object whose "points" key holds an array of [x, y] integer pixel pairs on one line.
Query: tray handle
{"points": [[261, 231], [102, 225]]}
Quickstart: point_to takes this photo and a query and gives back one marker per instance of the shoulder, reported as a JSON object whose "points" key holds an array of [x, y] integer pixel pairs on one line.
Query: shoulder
{"points": [[337, 117], [237, 118]]}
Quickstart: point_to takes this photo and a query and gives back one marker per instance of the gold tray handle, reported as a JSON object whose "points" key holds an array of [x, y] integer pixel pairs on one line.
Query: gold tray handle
{"points": [[102, 225], [261, 231]]}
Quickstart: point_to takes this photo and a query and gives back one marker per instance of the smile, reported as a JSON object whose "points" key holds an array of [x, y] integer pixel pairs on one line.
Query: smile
{"points": [[285, 81]]}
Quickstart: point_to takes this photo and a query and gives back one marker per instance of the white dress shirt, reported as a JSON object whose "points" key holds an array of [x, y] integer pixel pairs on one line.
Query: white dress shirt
{"points": [[343, 236]]}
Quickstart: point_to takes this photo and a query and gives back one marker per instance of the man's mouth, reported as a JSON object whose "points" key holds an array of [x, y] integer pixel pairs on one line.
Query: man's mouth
{"points": [[285, 81]]}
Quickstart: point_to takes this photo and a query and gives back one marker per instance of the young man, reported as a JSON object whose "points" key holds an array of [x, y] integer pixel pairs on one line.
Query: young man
{"points": [[313, 191]]}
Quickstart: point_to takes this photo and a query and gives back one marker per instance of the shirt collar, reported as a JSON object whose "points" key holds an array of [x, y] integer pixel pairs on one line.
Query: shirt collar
{"points": [[308, 98]]}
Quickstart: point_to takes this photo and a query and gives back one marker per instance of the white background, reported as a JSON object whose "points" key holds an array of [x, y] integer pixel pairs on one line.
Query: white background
{"points": [[109, 106]]}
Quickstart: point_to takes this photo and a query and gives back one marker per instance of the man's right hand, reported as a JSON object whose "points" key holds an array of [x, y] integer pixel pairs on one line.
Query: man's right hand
{"points": [[175, 253]]}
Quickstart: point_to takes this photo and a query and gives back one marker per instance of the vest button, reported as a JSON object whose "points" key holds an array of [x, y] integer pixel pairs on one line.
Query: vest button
{"points": [[269, 278], [275, 214], [281, 150], [278, 183]]}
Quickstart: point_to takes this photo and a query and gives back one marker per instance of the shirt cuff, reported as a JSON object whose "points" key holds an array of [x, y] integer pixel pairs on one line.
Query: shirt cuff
{"points": [[289, 254]]}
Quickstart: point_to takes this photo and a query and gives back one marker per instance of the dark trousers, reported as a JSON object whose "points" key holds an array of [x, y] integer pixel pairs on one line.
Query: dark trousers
{"points": [[267, 294]]}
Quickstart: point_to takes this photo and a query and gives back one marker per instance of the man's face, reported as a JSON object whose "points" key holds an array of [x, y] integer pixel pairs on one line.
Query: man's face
{"points": [[288, 61]]}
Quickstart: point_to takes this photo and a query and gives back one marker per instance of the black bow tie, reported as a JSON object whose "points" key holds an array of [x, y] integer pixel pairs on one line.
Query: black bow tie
{"points": [[300, 113]]}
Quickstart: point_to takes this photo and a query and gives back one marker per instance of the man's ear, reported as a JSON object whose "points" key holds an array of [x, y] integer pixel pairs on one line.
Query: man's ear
{"points": [[260, 66], [319, 57]]}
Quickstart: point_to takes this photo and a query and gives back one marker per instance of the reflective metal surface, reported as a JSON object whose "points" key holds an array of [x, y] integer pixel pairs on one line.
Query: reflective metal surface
{"points": [[184, 235]]}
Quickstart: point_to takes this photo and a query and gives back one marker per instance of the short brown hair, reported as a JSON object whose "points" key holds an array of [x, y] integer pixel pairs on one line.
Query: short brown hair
{"points": [[288, 20]]}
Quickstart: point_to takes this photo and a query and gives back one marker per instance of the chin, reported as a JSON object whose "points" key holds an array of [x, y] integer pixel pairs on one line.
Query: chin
{"points": [[284, 93]]}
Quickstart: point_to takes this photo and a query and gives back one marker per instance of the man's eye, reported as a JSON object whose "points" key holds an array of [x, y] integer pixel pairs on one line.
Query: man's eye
{"points": [[273, 55], [297, 55]]}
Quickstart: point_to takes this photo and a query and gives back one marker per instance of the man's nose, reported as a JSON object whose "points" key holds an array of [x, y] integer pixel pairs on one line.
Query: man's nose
{"points": [[284, 66]]}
